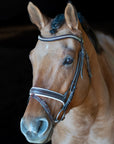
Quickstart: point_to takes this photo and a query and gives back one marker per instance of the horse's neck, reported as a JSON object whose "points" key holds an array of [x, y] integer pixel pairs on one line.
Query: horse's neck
{"points": [[107, 44], [106, 60], [98, 83]]}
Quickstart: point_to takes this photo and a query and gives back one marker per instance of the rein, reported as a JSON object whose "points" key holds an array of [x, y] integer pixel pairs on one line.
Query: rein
{"points": [[65, 99]]}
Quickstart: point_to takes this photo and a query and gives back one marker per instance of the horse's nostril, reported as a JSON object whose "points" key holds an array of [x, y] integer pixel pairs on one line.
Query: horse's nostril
{"points": [[42, 126], [35, 128]]}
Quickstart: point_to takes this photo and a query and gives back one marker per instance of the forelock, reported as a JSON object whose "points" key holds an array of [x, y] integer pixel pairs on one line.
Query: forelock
{"points": [[56, 23]]}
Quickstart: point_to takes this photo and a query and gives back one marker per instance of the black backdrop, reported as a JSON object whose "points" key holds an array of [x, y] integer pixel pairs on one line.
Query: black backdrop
{"points": [[17, 37]]}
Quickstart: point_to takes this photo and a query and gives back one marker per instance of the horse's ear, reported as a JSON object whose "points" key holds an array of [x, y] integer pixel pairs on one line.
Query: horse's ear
{"points": [[36, 16], [71, 17]]}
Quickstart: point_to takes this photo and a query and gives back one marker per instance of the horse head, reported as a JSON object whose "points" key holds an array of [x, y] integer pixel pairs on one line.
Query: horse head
{"points": [[55, 61]]}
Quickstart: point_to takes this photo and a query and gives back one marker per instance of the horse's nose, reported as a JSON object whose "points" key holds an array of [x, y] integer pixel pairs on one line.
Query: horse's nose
{"points": [[34, 129]]}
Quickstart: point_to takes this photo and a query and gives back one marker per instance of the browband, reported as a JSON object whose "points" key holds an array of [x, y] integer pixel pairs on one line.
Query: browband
{"points": [[49, 39]]}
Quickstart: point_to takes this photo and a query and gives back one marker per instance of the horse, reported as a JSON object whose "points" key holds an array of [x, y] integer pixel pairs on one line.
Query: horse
{"points": [[72, 96]]}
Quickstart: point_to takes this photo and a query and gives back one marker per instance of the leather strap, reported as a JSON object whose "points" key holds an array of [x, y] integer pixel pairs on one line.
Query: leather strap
{"points": [[49, 39], [44, 105], [41, 92]]}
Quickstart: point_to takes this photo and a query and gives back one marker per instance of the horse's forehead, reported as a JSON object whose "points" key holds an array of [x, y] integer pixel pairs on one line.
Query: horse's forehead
{"points": [[48, 46], [60, 43], [56, 46], [44, 49]]}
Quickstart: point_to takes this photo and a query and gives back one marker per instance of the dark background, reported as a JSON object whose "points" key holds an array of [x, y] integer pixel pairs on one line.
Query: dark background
{"points": [[17, 37]]}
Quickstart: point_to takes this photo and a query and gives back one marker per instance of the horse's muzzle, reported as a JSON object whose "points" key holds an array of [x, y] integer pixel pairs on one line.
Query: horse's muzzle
{"points": [[36, 130]]}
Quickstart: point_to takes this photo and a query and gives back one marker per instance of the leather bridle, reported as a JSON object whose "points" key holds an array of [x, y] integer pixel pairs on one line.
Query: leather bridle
{"points": [[37, 92]]}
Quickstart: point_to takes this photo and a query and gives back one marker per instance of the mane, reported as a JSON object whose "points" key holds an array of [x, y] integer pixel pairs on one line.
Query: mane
{"points": [[59, 20], [90, 32]]}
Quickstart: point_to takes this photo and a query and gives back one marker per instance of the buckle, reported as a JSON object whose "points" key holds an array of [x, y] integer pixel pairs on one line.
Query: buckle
{"points": [[60, 116]]}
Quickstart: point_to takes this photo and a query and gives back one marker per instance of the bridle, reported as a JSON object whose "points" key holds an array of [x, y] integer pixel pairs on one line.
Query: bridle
{"points": [[37, 92]]}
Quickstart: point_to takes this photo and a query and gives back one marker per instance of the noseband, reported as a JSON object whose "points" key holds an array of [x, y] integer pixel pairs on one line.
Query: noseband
{"points": [[37, 92]]}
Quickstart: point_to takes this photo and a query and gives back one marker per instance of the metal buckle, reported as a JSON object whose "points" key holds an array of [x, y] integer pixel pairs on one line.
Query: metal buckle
{"points": [[59, 113]]}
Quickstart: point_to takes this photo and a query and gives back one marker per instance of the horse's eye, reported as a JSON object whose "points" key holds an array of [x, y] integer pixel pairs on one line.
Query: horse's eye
{"points": [[68, 60]]}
